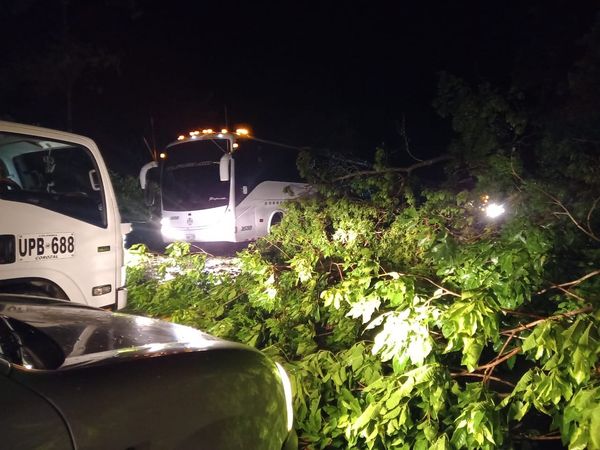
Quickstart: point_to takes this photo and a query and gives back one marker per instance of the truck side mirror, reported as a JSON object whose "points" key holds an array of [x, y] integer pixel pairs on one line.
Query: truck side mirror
{"points": [[224, 167]]}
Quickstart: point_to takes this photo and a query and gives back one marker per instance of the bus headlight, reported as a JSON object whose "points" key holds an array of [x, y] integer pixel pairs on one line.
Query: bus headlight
{"points": [[169, 231], [287, 389]]}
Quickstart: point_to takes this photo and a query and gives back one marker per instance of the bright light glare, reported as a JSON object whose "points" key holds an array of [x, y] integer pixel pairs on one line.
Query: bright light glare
{"points": [[242, 131], [171, 232], [494, 210], [191, 336], [155, 347], [143, 321], [287, 390]]}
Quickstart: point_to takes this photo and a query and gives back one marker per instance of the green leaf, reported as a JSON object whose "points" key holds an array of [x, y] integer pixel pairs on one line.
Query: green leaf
{"points": [[365, 417], [393, 400]]}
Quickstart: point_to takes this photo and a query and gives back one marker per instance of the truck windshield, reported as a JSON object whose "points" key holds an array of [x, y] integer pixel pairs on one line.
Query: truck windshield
{"points": [[58, 176], [190, 176]]}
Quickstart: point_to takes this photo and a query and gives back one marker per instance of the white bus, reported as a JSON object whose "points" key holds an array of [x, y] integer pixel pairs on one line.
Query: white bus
{"points": [[60, 230], [216, 189]]}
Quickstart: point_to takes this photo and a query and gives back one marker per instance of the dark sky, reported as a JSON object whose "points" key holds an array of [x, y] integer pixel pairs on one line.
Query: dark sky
{"points": [[329, 74]]}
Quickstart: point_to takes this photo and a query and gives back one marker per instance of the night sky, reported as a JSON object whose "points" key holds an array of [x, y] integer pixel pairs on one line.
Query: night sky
{"points": [[339, 75]]}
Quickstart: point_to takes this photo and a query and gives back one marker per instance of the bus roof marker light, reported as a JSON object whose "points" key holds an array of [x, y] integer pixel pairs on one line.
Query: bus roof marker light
{"points": [[181, 137], [224, 130]]}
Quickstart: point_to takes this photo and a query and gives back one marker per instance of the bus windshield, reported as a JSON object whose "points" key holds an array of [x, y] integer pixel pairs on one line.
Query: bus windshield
{"points": [[190, 176]]}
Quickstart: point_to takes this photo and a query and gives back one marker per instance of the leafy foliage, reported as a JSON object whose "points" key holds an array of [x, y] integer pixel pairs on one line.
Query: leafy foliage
{"points": [[130, 198], [407, 319]]}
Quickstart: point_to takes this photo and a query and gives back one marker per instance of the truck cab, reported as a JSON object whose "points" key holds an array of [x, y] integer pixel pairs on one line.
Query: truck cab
{"points": [[60, 229]]}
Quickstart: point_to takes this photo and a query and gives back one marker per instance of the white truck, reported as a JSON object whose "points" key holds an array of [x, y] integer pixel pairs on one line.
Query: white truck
{"points": [[60, 229]]}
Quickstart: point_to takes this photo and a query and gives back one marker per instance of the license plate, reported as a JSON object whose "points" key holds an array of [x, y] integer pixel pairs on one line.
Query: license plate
{"points": [[38, 247]]}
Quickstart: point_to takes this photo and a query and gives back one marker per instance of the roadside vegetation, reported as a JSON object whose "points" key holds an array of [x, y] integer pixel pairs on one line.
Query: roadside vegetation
{"points": [[131, 198], [406, 317]]}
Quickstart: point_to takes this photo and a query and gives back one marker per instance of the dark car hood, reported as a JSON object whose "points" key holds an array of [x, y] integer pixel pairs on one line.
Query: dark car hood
{"points": [[89, 335]]}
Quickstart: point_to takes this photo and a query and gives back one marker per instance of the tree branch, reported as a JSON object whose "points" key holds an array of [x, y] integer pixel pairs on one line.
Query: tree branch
{"points": [[402, 132], [489, 371], [566, 212], [557, 202], [571, 283], [522, 314], [589, 216], [511, 333], [406, 170], [544, 437], [446, 291], [569, 293], [339, 271], [500, 359], [478, 375], [537, 322]]}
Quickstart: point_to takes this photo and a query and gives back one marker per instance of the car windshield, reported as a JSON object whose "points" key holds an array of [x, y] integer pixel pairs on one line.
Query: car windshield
{"points": [[190, 176]]}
